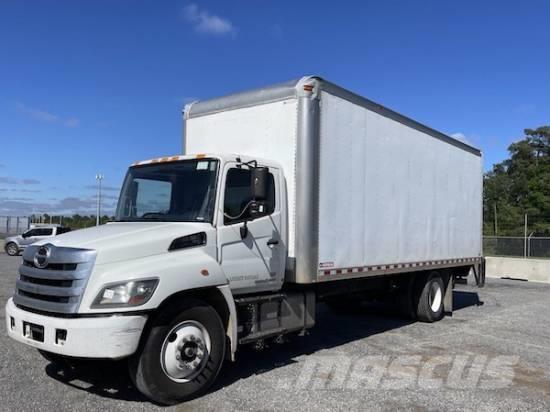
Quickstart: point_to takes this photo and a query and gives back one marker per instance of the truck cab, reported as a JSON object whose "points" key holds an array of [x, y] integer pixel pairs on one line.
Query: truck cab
{"points": [[248, 244], [191, 233]]}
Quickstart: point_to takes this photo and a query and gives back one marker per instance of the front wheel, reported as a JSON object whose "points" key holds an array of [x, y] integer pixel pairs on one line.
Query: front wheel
{"points": [[182, 355], [12, 249]]}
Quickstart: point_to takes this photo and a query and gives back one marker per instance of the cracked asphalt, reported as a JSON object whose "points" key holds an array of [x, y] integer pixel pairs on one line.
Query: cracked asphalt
{"points": [[492, 354]]}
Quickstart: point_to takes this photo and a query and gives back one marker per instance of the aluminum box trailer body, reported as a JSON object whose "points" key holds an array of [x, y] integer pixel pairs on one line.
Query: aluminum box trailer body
{"points": [[369, 191]]}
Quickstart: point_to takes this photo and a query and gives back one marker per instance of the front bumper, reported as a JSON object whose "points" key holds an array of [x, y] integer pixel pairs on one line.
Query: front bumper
{"points": [[110, 336]]}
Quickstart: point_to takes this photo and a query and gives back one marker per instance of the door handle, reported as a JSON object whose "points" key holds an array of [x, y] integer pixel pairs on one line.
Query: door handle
{"points": [[272, 242]]}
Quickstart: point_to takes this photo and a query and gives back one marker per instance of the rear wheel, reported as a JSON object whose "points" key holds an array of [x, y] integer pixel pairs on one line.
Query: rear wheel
{"points": [[429, 298], [12, 249], [181, 356]]}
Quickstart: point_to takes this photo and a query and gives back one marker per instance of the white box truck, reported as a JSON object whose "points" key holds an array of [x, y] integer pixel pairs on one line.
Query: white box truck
{"points": [[286, 196]]}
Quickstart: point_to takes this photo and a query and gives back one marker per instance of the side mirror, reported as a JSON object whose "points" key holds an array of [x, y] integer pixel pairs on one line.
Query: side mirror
{"points": [[259, 183], [25, 235]]}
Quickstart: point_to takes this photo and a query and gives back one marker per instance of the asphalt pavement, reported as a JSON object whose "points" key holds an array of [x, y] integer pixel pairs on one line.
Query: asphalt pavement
{"points": [[492, 354]]}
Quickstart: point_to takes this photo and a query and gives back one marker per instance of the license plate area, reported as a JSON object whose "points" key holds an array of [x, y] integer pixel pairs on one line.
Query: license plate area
{"points": [[34, 332]]}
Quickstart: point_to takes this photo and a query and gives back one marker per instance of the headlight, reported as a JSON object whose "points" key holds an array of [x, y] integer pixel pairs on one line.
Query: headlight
{"points": [[132, 293]]}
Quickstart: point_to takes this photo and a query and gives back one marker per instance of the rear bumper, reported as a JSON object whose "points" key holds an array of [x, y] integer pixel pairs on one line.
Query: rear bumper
{"points": [[111, 336]]}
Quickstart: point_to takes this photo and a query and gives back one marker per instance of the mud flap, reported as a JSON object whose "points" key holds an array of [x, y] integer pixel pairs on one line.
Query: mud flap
{"points": [[448, 298], [479, 273]]}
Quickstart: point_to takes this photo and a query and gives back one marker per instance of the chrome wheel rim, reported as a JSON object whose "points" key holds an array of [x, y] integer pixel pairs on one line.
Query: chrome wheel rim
{"points": [[436, 296], [185, 351], [12, 250]]}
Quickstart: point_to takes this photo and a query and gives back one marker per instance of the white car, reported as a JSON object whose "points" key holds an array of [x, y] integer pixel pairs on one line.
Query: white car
{"points": [[16, 244]]}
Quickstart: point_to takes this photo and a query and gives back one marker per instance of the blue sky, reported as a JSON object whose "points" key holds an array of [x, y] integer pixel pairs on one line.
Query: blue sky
{"points": [[89, 87]]}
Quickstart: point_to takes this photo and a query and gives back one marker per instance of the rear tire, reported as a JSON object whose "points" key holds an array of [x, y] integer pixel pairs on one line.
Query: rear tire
{"points": [[429, 295], [182, 355], [12, 249]]}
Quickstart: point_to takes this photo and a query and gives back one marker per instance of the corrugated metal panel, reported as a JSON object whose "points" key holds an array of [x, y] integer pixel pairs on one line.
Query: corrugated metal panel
{"points": [[390, 193], [285, 90]]}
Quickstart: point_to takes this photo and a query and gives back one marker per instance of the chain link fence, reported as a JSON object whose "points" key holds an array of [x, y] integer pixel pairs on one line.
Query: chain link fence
{"points": [[13, 225], [517, 246]]}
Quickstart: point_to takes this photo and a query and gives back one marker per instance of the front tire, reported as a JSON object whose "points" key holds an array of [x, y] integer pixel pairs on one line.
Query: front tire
{"points": [[12, 249], [182, 355]]}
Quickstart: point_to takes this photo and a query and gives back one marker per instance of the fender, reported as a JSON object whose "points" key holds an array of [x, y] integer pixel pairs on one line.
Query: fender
{"points": [[232, 324], [177, 271]]}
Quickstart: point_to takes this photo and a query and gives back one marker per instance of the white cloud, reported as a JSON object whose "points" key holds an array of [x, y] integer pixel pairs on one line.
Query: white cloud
{"points": [[45, 116], [37, 114], [14, 181], [103, 187], [204, 22], [21, 206], [461, 137]]}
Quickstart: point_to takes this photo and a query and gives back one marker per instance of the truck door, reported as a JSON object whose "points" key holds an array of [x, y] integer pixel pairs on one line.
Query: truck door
{"points": [[257, 261]]}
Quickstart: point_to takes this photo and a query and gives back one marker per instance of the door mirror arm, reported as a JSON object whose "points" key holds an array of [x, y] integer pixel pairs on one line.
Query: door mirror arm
{"points": [[244, 230]]}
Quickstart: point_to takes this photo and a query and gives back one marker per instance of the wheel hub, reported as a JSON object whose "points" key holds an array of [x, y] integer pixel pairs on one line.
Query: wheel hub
{"points": [[185, 351], [436, 296]]}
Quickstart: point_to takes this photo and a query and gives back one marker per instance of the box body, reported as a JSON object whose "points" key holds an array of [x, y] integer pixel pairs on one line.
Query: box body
{"points": [[370, 192]]}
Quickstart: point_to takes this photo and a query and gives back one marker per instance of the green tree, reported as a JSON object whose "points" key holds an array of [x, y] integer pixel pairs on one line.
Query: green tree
{"points": [[520, 185]]}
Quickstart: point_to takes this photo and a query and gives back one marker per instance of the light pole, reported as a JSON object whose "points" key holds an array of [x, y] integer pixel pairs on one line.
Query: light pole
{"points": [[99, 178]]}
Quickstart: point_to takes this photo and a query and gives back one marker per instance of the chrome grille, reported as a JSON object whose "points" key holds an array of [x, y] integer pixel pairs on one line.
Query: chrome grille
{"points": [[57, 286]]}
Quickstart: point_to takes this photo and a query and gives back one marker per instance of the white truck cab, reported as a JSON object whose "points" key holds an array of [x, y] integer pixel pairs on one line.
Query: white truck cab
{"points": [[235, 245]]}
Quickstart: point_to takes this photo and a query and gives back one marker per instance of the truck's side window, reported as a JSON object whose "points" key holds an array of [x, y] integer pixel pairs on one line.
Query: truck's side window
{"points": [[238, 196]]}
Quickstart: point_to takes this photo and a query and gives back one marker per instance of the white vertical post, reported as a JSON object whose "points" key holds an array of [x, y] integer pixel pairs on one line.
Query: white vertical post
{"points": [[525, 238], [99, 178]]}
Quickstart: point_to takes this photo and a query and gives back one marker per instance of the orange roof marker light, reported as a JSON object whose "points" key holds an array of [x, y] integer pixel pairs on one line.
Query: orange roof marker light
{"points": [[201, 156]]}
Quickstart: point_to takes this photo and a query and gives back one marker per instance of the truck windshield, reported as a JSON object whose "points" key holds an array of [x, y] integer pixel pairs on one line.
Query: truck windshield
{"points": [[182, 191]]}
